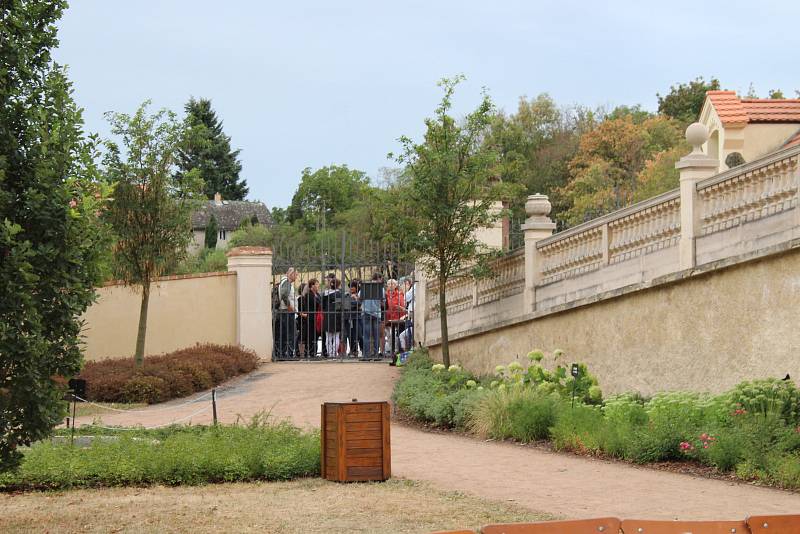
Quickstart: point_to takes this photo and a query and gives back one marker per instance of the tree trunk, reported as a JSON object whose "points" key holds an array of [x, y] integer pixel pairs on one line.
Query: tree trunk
{"points": [[140, 336], [443, 321]]}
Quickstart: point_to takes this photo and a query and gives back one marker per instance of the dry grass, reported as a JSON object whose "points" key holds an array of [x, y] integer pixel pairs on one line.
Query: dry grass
{"points": [[309, 505]]}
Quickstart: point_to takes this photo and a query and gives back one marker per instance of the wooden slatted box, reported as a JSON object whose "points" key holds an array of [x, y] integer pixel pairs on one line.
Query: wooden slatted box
{"points": [[355, 441]]}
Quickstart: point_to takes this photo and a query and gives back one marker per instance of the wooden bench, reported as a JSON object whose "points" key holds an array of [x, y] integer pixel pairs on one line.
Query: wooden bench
{"points": [[774, 524], [642, 526], [603, 525]]}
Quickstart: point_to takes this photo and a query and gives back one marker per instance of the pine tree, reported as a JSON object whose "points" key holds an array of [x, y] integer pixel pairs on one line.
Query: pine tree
{"points": [[208, 149]]}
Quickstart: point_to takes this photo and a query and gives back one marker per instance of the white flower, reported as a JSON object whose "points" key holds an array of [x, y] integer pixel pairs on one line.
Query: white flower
{"points": [[453, 368], [480, 388], [514, 367], [500, 369], [438, 367], [471, 383]]}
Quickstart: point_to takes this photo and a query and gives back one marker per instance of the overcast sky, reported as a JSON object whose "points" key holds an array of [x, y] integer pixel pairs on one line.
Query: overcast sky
{"points": [[313, 83]]}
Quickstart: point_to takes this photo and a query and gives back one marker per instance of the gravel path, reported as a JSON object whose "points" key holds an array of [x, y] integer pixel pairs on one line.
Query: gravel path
{"points": [[560, 484]]}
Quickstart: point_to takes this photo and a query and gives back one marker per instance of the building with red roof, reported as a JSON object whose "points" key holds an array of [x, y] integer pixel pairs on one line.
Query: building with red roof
{"points": [[749, 127]]}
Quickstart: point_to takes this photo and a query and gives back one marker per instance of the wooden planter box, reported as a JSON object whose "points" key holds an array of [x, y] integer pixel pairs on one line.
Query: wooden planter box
{"points": [[355, 441]]}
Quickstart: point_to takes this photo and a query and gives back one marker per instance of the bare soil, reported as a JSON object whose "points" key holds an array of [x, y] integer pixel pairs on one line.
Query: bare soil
{"points": [[538, 479]]}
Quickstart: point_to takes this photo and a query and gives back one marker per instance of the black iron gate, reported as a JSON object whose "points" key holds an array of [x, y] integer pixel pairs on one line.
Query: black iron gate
{"points": [[342, 298]]}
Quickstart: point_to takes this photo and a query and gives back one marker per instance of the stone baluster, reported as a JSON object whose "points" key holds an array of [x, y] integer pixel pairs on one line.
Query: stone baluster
{"points": [[537, 226], [693, 168]]}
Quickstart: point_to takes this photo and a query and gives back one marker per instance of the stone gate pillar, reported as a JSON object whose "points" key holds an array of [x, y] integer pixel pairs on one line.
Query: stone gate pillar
{"points": [[537, 226], [693, 168], [253, 268]]}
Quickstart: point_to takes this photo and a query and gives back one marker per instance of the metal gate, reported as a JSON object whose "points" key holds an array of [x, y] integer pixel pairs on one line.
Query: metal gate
{"points": [[342, 298]]}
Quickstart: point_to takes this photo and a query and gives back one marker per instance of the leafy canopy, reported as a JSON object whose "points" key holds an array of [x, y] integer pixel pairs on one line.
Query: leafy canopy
{"points": [[50, 237], [685, 100], [150, 213]]}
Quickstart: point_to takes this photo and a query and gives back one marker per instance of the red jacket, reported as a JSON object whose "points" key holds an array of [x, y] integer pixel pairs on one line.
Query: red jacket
{"points": [[395, 305]]}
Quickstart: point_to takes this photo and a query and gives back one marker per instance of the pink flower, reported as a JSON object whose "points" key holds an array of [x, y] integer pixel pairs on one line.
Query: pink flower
{"points": [[686, 446], [704, 436], [73, 203]]}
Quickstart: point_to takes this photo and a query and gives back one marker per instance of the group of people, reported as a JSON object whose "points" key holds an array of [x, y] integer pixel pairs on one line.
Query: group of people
{"points": [[365, 320]]}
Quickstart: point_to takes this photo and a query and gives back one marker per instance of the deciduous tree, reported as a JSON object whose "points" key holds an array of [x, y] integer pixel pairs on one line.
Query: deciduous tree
{"points": [[50, 236], [451, 190], [150, 212], [685, 100]]}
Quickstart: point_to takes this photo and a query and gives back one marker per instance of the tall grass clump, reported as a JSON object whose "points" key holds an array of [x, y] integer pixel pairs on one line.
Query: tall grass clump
{"points": [[520, 413]]}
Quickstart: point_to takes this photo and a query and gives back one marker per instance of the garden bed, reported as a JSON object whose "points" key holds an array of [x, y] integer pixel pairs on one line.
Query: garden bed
{"points": [[178, 455], [167, 376], [750, 433]]}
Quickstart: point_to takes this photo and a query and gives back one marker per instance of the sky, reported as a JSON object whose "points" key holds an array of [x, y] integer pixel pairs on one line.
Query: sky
{"points": [[315, 83]]}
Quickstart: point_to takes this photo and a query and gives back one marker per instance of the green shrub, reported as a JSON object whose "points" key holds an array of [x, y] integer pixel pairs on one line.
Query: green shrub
{"points": [[207, 260], [578, 428], [167, 376], [763, 397], [532, 416], [173, 456]]}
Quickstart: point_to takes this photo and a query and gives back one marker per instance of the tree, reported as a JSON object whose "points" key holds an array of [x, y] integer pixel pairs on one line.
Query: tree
{"points": [[212, 231], [50, 236], [150, 212], [684, 101], [536, 144], [452, 191], [325, 193], [208, 149], [605, 173]]}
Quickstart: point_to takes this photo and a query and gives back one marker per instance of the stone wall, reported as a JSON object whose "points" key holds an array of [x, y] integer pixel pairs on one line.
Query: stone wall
{"points": [[228, 308], [695, 288], [703, 331]]}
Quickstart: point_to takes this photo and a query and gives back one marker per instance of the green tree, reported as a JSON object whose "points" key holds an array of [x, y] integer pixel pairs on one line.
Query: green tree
{"points": [[50, 236], [536, 144], [605, 173], [452, 191], [325, 193], [208, 149], [684, 101], [150, 213], [776, 94], [212, 231]]}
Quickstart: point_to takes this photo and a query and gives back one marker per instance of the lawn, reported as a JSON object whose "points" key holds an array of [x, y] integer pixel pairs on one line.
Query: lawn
{"points": [[304, 505]]}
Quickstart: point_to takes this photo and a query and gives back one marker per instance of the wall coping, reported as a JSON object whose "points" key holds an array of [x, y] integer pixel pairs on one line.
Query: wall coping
{"points": [[174, 277], [668, 279], [249, 251]]}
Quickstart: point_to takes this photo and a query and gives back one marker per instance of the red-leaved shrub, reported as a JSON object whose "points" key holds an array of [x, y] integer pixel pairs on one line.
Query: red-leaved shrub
{"points": [[167, 376]]}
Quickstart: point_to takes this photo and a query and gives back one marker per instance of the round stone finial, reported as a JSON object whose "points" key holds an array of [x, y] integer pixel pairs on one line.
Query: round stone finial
{"points": [[538, 206], [696, 135]]}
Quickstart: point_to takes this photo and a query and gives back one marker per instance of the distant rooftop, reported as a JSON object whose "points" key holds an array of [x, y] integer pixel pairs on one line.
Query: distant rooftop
{"points": [[733, 110], [230, 213]]}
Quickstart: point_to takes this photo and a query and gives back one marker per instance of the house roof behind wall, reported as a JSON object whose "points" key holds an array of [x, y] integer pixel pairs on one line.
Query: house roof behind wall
{"points": [[733, 110], [230, 214]]}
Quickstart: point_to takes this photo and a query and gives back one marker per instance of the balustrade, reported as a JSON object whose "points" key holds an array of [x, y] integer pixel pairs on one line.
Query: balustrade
{"points": [[749, 196], [575, 254], [652, 228]]}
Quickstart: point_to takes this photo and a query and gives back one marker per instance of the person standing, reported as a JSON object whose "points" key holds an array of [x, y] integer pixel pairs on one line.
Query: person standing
{"points": [[355, 330], [407, 335], [309, 306], [395, 309], [286, 312], [332, 308], [372, 307]]}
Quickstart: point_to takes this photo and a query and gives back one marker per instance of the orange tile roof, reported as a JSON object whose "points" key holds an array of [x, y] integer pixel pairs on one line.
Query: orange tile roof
{"points": [[733, 110]]}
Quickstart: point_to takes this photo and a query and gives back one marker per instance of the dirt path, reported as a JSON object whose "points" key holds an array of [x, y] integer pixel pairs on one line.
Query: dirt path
{"points": [[560, 484]]}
